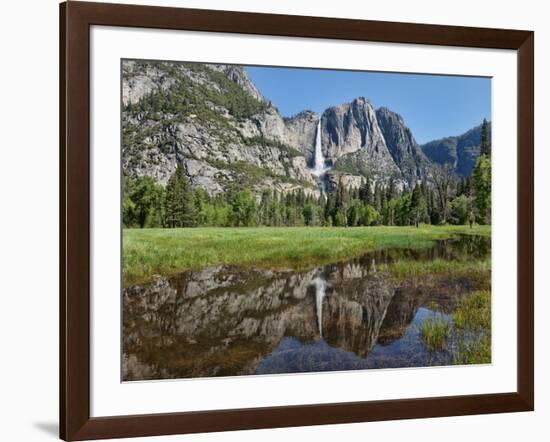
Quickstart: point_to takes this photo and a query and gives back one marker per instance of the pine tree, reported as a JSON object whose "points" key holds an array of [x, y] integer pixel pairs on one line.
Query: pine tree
{"points": [[418, 206], [243, 209], [377, 197], [329, 209], [485, 147], [481, 185], [442, 177], [275, 210], [391, 191], [481, 177], [188, 212], [173, 201], [265, 204], [385, 198], [341, 204], [179, 202], [365, 194]]}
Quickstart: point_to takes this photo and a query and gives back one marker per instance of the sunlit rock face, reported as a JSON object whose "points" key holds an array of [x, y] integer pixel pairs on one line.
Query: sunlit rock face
{"points": [[353, 139], [213, 142], [301, 133], [162, 126], [406, 153]]}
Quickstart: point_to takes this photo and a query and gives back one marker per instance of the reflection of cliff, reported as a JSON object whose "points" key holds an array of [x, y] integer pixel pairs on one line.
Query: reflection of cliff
{"points": [[226, 321], [222, 322], [354, 311], [213, 322], [400, 313], [407, 298]]}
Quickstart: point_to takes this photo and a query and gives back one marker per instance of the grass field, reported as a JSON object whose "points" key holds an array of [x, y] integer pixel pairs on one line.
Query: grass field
{"points": [[150, 252], [478, 270]]}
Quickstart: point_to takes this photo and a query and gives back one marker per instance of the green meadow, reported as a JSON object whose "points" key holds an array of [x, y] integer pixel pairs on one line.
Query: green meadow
{"points": [[148, 253]]}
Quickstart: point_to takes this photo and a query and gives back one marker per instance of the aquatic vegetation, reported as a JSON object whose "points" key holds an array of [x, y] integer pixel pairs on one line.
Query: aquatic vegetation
{"points": [[435, 333], [478, 351], [474, 312], [472, 320]]}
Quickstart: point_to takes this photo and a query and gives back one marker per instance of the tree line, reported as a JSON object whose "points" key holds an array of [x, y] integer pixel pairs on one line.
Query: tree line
{"points": [[444, 198]]}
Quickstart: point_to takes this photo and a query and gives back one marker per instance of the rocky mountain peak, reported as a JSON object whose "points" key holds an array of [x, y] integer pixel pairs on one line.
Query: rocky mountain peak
{"points": [[460, 151], [353, 141], [303, 115], [385, 113], [349, 127], [362, 101], [239, 76]]}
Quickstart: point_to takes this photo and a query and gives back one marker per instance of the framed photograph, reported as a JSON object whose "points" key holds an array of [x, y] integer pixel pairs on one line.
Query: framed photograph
{"points": [[275, 220]]}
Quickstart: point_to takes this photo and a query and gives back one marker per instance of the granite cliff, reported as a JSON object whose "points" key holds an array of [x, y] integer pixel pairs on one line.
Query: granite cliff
{"points": [[214, 121]]}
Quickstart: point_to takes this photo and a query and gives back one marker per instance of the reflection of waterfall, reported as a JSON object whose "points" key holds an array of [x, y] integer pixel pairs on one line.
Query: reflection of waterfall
{"points": [[320, 291], [319, 167]]}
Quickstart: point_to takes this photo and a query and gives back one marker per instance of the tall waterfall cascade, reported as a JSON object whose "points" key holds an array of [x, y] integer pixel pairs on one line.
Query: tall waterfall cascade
{"points": [[319, 159], [319, 168]]}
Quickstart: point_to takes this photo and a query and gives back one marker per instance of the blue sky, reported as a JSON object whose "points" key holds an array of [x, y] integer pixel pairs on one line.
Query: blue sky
{"points": [[432, 106]]}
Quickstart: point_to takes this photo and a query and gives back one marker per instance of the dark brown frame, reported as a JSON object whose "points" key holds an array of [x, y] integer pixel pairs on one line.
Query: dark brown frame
{"points": [[75, 21]]}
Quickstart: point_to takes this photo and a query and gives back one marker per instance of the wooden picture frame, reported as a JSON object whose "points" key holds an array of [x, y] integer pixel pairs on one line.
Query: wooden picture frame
{"points": [[75, 21]]}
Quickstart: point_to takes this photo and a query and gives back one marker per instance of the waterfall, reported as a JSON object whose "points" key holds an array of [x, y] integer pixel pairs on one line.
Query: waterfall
{"points": [[320, 291], [319, 169], [319, 160]]}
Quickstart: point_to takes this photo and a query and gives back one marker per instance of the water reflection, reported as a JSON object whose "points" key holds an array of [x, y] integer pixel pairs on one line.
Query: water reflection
{"points": [[225, 321]]}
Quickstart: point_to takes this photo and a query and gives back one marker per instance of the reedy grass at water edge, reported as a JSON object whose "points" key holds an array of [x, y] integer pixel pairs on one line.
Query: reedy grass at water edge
{"points": [[150, 252], [473, 317], [435, 333], [474, 312], [470, 330], [474, 352], [478, 270]]}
